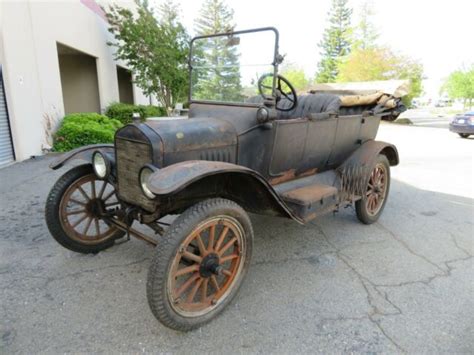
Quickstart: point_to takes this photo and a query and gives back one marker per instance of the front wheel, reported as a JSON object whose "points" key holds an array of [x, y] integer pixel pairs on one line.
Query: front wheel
{"points": [[73, 211], [200, 264], [463, 135], [370, 206]]}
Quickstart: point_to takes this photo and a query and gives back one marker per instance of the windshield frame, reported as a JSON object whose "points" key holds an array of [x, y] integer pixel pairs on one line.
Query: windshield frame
{"points": [[275, 64]]}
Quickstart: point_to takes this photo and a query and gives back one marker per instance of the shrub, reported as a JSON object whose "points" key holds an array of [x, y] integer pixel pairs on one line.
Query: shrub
{"points": [[79, 129], [152, 111], [121, 112], [124, 112]]}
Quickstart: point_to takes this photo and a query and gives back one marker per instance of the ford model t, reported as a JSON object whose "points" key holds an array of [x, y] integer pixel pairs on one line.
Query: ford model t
{"points": [[250, 144]]}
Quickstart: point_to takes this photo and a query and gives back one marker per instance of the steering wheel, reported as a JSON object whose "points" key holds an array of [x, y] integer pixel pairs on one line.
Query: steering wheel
{"points": [[283, 89]]}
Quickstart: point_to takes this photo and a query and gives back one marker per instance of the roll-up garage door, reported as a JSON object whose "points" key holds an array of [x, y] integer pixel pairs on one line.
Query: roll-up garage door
{"points": [[6, 147]]}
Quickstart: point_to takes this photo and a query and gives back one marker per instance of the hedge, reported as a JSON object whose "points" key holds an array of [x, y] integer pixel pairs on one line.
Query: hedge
{"points": [[79, 129], [124, 112]]}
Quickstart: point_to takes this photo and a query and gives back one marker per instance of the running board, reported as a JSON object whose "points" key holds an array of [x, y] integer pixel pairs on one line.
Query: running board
{"points": [[311, 196]]}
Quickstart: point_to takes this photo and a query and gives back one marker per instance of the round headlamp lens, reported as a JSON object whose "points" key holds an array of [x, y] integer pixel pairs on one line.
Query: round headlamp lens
{"points": [[100, 165], [144, 175]]}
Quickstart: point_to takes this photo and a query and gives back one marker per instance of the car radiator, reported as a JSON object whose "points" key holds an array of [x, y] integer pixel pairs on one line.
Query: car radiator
{"points": [[131, 156]]}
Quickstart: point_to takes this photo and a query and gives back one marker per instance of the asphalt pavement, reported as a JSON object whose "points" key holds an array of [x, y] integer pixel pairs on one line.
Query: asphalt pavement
{"points": [[404, 284]]}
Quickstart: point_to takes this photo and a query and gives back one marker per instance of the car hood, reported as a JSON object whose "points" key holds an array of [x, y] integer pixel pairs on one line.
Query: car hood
{"points": [[178, 135]]}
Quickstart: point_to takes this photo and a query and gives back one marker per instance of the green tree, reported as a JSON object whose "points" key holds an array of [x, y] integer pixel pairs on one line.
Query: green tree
{"points": [[380, 63], [155, 47], [367, 65], [217, 72], [365, 34], [296, 77], [460, 85], [336, 42]]}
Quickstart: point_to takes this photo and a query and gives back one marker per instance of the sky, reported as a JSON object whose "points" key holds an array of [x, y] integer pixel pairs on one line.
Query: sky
{"points": [[438, 33]]}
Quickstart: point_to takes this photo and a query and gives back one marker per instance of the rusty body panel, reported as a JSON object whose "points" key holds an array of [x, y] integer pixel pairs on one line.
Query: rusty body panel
{"points": [[194, 139], [81, 153], [239, 182], [177, 176], [291, 175], [368, 151], [355, 171]]}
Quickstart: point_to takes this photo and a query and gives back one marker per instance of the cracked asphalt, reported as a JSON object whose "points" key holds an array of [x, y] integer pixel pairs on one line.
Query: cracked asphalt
{"points": [[404, 284]]}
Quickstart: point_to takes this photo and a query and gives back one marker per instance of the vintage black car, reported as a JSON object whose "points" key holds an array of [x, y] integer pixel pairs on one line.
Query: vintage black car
{"points": [[250, 144]]}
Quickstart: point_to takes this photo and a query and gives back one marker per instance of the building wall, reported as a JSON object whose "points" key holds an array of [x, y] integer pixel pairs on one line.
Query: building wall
{"points": [[30, 31]]}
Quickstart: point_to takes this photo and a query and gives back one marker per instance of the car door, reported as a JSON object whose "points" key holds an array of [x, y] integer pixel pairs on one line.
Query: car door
{"points": [[319, 142], [289, 140], [347, 138], [302, 144]]}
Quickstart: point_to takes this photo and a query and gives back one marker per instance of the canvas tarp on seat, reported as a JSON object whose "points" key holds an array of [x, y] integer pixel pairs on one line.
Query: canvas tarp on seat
{"points": [[365, 92]]}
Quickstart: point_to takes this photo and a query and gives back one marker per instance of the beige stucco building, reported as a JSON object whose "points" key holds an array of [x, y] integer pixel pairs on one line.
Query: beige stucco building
{"points": [[54, 60]]}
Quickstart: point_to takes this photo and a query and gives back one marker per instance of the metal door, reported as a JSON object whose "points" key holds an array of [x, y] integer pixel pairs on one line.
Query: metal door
{"points": [[6, 147]]}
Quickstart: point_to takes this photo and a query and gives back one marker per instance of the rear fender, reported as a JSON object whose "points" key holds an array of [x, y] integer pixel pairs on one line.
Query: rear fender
{"points": [[355, 170], [82, 153], [368, 152], [199, 179]]}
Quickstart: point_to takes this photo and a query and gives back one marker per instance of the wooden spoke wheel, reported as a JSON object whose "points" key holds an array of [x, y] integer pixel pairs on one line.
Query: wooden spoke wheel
{"points": [[82, 206], [207, 263], [200, 265], [376, 189], [370, 206], [74, 211]]}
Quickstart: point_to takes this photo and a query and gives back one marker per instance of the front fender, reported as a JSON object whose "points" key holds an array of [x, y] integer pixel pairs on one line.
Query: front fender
{"points": [[176, 177], [81, 153], [244, 185]]}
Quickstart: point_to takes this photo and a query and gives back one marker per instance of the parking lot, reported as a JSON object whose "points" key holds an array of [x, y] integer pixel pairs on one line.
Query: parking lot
{"points": [[404, 284]]}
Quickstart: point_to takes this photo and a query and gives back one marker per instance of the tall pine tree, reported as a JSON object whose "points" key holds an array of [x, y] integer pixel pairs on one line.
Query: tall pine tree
{"points": [[220, 81], [365, 32], [336, 41]]}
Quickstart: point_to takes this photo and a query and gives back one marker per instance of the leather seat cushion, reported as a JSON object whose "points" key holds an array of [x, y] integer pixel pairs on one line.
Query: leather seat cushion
{"points": [[311, 103], [307, 104]]}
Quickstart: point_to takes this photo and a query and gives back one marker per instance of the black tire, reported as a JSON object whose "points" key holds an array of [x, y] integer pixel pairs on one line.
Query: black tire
{"points": [[463, 135], [362, 210], [53, 218], [159, 274]]}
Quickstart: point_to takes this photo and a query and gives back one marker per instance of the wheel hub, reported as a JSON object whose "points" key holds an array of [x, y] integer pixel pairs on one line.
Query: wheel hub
{"points": [[210, 266], [95, 207]]}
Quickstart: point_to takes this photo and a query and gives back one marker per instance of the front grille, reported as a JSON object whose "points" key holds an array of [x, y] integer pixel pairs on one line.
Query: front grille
{"points": [[131, 156]]}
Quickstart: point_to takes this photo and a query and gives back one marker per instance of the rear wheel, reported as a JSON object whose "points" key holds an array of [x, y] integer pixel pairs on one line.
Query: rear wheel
{"points": [[463, 135], [371, 205], [200, 264], [73, 211]]}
